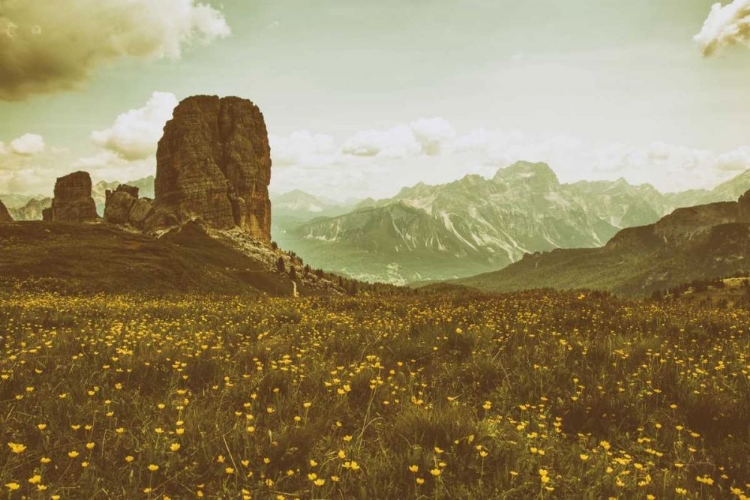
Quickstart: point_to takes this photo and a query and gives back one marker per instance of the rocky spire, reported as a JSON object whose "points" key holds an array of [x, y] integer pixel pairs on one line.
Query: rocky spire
{"points": [[214, 163]]}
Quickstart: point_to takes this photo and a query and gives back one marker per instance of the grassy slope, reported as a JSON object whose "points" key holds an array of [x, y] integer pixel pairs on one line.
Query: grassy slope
{"points": [[98, 257], [635, 269]]}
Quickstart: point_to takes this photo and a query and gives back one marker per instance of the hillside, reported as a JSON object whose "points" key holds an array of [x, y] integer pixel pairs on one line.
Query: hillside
{"points": [[696, 243], [105, 258]]}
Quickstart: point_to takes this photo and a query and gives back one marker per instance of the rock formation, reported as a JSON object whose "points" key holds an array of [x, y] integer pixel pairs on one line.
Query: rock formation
{"points": [[72, 201], [214, 163], [118, 203], [4, 214], [123, 206]]}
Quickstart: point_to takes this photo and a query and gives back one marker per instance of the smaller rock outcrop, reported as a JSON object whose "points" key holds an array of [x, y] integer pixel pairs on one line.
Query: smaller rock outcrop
{"points": [[119, 203], [4, 214], [72, 201], [124, 207]]}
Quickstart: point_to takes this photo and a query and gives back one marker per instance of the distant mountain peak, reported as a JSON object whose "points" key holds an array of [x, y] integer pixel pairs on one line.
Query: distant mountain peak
{"points": [[539, 174]]}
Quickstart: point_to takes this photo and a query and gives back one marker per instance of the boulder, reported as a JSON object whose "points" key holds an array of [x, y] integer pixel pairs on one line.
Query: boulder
{"points": [[214, 164], [119, 203], [72, 201], [142, 209]]}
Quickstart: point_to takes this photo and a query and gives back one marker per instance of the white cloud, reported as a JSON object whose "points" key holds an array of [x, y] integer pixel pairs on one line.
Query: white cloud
{"points": [[136, 133], [375, 162], [27, 145], [421, 137], [302, 148], [108, 166], [725, 25], [397, 142], [734, 161], [49, 46]]}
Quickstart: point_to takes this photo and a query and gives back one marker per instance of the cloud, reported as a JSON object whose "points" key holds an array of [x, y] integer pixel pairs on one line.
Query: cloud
{"points": [[725, 26], [422, 137], [302, 148], [136, 133], [28, 145], [51, 46], [108, 166], [397, 142], [734, 161]]}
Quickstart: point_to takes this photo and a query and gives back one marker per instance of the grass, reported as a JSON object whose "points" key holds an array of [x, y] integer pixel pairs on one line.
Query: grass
{"points": [[537, 394]]}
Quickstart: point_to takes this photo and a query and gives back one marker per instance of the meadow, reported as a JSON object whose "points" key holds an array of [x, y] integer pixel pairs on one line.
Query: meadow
{"points": [[536, 394]]}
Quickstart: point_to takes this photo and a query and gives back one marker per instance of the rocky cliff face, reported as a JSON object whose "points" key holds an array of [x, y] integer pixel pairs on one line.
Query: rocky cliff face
{"points": [[72, 201], [214, 163], [4, 215]]}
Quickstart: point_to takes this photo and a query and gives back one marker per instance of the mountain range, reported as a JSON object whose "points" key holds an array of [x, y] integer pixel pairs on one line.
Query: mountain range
{"points": [[475, 225], [468, 227], [694, 243]]}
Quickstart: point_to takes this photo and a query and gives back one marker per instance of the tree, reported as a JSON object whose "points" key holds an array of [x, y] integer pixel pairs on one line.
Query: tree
{"points": [[292, 272], [280, 266]]}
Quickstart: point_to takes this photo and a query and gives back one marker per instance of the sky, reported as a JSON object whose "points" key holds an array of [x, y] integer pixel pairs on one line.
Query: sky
{"points": [[362, 98]]}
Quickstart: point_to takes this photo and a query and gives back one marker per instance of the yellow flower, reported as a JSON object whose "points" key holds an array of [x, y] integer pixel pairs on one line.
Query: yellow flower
{"points": [[12, 486], [414, 468], [583, 456], [420, 480], [45, 460], [17, 447], [436, 472], [35, 479], [129, 458], [41, 427], [90, 446], [72, 454], [153, 468], [319, 482], [174, 446], [229, 470]]}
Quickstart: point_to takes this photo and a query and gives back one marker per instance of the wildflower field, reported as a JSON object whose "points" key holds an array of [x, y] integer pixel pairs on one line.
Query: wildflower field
{"points": [[529, 395]]}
